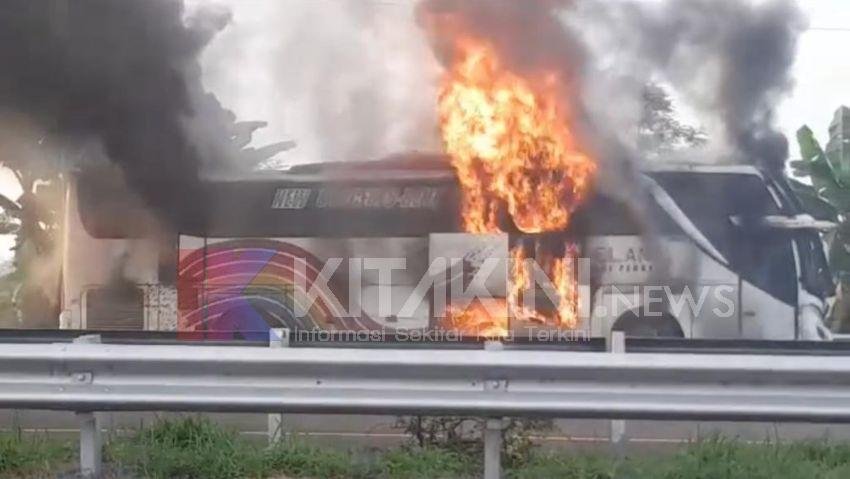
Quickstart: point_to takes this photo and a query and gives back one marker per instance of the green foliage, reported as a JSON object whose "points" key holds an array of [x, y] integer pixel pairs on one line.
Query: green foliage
{"points": [[420, 463], [464, 434], [659, 130], [814, 204], [712, 459], [838, 148], [828, 198], [32, 456], [297, 459], [34, 218], [565, 466], [458, 433], [197, 448], [828, 183], [188, 448]]}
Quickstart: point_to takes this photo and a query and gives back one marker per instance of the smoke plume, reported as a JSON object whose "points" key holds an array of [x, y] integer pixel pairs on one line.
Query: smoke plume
{"points": [[120, 73], [729, 60], [126, 73], [529, 35], [354, 80], [347, 79]]}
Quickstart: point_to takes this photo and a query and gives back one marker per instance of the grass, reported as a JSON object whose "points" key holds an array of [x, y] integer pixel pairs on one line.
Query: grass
{"points": [[197, 448], [33, 456], [186, 448], [711, 459], [426, 463]]}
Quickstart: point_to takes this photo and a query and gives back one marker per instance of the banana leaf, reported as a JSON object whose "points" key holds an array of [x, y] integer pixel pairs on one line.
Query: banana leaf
{"points": [[838, 148], [812, 202]]}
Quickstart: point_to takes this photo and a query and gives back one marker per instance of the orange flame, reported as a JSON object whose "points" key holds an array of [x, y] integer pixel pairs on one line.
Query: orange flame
{"points": [[561, 275], [510, 144], [477, 320], [512, 148], [564, 279]]}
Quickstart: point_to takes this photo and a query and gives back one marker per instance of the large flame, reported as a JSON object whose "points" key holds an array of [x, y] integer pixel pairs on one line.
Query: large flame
{"points": [[510, 142]]}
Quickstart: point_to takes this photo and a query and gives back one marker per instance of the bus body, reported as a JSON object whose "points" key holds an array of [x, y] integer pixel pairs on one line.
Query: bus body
{"points": [[724, 247]]}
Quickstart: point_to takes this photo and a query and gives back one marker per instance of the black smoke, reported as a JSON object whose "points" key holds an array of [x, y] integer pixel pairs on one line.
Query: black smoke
{"points": [[121, 73], [528, 35], [731, 59]]}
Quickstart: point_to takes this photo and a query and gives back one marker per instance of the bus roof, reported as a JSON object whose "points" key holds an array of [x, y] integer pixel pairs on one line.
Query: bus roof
{"points": [[433, 166], [403, 195]]}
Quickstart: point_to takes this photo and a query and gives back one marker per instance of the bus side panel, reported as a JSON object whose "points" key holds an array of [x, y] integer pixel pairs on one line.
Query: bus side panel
{"points": [[300, 283], [765, 317], [105, 265], [674, 278]]}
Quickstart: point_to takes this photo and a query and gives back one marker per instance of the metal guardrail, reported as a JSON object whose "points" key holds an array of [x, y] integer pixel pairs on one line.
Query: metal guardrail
{"points": [[98, 377], [492, 382], [306, 340], [117, 337], [389, 341], [737, 346]]}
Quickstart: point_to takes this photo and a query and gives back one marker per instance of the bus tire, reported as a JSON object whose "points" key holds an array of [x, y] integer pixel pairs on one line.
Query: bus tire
{"points": [[637, 324]]}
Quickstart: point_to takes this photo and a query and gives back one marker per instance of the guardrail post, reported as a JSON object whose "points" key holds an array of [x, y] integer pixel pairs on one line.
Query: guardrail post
{"points": [[493, 427], [617, 345], [91, 441], [16, 423], [90, 445], [493, 448], [278, 338]]}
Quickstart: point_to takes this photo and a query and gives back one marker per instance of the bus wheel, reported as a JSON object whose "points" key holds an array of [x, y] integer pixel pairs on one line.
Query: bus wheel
{"points": [[637, 324]]}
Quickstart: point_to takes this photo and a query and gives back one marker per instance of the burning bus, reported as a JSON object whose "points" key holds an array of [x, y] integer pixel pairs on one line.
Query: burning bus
{"points": [[506, 233], [745, 264]]}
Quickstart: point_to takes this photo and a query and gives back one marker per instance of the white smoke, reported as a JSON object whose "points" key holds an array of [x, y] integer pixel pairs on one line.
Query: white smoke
{"points": [[344, 79]]}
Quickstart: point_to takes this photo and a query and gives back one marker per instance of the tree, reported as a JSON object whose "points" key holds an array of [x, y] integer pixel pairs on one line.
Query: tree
{"points": [[659, 130], [34, 218], [827, 194]]}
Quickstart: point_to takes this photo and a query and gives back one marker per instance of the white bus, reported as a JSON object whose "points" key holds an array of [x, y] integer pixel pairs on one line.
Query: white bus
{"points": [[726, 249]]}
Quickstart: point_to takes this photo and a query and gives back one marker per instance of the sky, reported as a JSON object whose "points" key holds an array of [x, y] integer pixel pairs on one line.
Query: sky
{"points": [[822, 69]]}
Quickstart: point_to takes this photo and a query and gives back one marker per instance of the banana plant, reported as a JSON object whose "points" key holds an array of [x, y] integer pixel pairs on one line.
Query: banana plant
{"points": [[827, 193]]}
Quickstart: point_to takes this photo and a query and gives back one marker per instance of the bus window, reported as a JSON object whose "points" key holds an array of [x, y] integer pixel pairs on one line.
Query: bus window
{"points": [[605, 216], [814, 270], [762, 257]]}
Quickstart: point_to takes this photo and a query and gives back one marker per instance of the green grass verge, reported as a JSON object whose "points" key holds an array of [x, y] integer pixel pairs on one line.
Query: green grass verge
{"points": [[196, 448], [711, 459], [33, 456], [185, 448]]}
